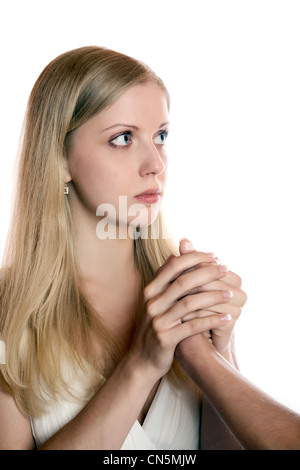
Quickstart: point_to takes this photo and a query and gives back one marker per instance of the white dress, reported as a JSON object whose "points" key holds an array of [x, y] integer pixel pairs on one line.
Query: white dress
{"points": [[172, 421]]}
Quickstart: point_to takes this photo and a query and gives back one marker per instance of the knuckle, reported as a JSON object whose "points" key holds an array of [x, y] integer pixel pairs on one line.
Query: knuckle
{"points": [[192, 326], [235, 311], [181, 282], [187, 303], [238, 280], [235, 279], [238, 312], [151, 308], [156, 326], [214, 272], [241, 298], [163, 339], [201, 257], [172, 265], [244, 297], [212, 322], [147, 292], [173, 261], [236, 315]]}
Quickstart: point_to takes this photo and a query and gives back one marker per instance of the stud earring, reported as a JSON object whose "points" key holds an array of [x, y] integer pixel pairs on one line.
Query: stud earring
{"points": [[66, 189]]}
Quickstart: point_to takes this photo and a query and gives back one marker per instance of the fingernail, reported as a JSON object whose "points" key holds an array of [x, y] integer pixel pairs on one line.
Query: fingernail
{"points": [[188, 245], [223, 268], [227, 294], [225, 318]]}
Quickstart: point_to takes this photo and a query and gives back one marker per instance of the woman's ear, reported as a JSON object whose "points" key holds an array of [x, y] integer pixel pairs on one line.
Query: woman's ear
{"points": [[68, 176]]}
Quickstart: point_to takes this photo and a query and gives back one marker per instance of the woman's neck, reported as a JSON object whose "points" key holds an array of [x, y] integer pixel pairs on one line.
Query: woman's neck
{"points": [[105, 261]]}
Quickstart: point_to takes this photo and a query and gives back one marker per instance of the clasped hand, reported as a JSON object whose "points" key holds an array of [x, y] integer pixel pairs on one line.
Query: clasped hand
{"points": [[191, 293]]}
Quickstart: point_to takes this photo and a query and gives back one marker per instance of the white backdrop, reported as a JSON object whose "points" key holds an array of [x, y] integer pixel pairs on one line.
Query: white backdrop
{"points": [[233, 72]]}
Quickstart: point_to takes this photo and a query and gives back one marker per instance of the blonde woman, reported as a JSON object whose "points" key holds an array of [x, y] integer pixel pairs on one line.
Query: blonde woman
{"points": [[94, 300]]}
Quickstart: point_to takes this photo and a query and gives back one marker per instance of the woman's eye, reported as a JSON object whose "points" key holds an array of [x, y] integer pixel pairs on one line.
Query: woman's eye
{"points": [[121, 140], [161, 138]]}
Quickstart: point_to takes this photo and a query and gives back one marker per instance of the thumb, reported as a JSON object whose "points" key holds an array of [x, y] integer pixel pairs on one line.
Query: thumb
{"points": [[185, 246]]}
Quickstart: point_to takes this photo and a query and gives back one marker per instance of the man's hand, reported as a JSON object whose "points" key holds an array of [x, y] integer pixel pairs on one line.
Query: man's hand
{"points": [[230, 285]]}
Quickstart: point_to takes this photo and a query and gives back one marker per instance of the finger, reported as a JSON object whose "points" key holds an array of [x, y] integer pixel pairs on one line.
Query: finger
{"points": [[231, 279], [233, 310], [198, 314], [191, 305], [185, 246], [239, 297], [199, 325], [181, 287], [170, 271], [184, 284], [165, 264]]}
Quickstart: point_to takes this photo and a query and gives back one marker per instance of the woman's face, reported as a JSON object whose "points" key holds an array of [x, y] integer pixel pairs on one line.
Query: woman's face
{"points": [[121, 152]]}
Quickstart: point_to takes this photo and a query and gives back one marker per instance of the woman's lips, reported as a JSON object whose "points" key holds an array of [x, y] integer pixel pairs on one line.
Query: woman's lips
{"points": [[151, 196]]}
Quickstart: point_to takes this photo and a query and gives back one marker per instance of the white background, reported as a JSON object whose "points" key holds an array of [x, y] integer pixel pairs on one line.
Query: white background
{"points": [[233, 72]]}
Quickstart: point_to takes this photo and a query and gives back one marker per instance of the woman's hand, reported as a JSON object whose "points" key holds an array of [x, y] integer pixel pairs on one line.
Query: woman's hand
{"points": [[166, 302], [231, 283]]}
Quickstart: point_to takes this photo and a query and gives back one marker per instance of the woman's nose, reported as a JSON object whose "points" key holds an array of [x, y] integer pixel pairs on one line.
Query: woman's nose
{"points": [[152, 162]]}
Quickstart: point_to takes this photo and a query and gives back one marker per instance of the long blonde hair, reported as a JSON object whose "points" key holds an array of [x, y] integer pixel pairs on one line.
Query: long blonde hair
{"points": [[44, 318]]}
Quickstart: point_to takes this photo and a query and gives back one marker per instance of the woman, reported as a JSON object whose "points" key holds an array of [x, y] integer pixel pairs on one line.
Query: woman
{"points": [[93, 301]]}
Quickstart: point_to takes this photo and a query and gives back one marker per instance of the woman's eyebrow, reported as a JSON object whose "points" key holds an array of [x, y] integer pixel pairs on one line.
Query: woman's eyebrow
{"points": [[164, 124], [129, 125], [120, 125]]}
